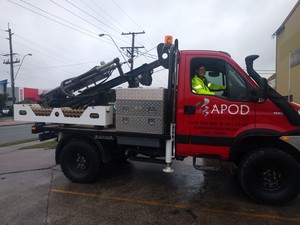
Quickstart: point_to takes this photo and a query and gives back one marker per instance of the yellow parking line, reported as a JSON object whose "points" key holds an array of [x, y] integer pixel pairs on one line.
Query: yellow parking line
{"points": [[245, 214], [152, 203], [118, 199]]}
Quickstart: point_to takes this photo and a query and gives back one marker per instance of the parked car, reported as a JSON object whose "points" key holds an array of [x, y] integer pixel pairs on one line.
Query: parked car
{"points": [[4, 112]]}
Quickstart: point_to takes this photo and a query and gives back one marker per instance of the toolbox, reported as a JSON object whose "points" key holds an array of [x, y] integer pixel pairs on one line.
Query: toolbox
{"points": [[140, 110]]}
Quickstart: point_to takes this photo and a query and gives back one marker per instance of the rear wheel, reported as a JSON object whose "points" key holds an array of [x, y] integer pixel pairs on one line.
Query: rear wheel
{"points": [[81, 161], [269, 175]]}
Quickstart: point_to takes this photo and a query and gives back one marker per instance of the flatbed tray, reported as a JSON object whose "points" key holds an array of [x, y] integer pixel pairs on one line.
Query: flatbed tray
{"points": [[93, 115]]}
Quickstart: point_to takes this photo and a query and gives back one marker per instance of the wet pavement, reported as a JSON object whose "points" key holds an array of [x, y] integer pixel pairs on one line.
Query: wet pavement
{"points": [[33, 190]]}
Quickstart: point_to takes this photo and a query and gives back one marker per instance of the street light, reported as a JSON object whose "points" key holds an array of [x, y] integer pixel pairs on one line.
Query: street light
{"points": [[101, 35], [21, 64]]}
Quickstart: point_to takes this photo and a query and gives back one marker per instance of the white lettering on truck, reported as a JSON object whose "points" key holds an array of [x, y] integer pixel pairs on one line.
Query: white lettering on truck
{"points": [[232, 109]]}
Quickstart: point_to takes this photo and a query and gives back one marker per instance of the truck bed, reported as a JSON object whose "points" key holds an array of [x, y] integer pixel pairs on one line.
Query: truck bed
{"points": [[104, 132]]}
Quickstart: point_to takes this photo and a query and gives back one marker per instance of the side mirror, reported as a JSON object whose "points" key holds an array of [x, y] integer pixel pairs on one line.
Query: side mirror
{"points": [[263, 90]]}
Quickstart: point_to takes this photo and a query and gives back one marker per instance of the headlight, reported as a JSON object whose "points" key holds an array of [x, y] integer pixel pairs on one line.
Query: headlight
{"points": [[299, 111]]}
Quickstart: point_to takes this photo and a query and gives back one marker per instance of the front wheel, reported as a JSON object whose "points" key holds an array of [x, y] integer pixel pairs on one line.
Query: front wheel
{"points": [[81, 161], [269, 175]]}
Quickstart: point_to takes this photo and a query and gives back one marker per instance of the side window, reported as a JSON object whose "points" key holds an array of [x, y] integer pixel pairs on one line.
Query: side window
{"points": [[236, 86], [215, 75], [220, 74], [218, 78]]}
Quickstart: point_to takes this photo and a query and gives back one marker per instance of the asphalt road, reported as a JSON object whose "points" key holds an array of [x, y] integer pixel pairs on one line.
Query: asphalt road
{"points": [[34, 191], [15, 133]]}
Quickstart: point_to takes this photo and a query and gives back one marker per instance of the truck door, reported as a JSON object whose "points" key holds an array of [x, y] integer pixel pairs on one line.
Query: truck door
{"points": [[211, 122]]}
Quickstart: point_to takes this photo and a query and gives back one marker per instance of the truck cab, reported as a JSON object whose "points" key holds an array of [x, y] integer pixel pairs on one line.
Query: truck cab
{"points": [[214, 124], [207, 124], [248, 124]]}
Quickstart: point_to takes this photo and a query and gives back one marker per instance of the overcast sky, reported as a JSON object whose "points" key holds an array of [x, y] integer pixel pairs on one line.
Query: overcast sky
{"points": [[62, 35]]}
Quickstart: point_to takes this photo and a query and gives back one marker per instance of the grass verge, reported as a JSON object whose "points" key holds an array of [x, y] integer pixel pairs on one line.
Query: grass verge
{"points": [[18, 142], [44, 145]]}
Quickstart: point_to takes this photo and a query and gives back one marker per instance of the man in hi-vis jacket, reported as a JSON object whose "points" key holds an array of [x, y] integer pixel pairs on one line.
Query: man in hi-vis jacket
{"points": [[201, 85]]}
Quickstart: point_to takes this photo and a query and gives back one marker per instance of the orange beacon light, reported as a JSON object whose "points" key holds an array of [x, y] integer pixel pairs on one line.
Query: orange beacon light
{"points": [[168, 40]]}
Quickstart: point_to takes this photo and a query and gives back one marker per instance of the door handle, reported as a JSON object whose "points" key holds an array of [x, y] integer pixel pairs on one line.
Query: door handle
{"points": [[189, 109]]}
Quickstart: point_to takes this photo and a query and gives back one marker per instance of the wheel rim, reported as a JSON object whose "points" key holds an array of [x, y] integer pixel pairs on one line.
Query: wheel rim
{"points": [[270, 177], [80, 162]]}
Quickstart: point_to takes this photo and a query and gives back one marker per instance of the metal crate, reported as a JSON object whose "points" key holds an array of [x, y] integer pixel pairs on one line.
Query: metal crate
{"points": [[141, 110], [141, 93], [140, 124], [140, 107]]}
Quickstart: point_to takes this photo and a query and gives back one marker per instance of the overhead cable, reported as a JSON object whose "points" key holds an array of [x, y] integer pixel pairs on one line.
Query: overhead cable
{"points": [[54, 20]]}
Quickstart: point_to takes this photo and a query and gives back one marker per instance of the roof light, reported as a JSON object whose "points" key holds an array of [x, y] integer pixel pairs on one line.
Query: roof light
{"points": [[168, 40]]}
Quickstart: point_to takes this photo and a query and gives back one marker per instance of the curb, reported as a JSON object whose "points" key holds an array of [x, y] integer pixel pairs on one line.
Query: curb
{"points": [[9, 121]]}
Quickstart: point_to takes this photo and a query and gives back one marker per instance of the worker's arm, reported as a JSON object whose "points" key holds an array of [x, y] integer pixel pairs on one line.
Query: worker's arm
{"points": [[215, 87], [202, 91]]}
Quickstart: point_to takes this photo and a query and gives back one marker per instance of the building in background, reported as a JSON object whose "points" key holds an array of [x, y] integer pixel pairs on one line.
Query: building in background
{"points": [[272, 81], [30, 95], [288, 56], [3, 86]]}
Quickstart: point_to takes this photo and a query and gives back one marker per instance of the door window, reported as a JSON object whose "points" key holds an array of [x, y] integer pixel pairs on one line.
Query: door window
{"points": [[220, 73], [236, 85]]}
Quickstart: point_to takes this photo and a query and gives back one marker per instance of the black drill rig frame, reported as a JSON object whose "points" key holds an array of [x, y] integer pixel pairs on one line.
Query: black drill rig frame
{"points": [[94, 88]]}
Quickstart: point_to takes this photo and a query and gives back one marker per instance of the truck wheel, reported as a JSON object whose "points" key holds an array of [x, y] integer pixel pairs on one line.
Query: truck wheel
{"points": [[80, 161], [269, 175]]}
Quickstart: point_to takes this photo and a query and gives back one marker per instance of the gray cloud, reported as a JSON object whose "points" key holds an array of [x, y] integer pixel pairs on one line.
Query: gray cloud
{"points": [[62, 51]]}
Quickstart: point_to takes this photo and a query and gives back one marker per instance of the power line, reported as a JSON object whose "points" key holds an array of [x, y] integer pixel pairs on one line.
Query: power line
{"points": [[61, 19], [55, 67], [54, 20], [126, 14], [147, 53], [58, 17], [112, 18], [130, 50], [38, 47], [40, 51], [92, 16], [80, 17], [109, 26], [131, 19], [102, 16]]}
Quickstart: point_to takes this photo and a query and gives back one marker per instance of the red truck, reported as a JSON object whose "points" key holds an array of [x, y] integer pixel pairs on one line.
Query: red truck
{"points": [[249, 124]]}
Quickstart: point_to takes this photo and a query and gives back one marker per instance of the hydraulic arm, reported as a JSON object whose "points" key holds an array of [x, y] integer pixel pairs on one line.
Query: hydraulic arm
{"points": [[94, 88]]}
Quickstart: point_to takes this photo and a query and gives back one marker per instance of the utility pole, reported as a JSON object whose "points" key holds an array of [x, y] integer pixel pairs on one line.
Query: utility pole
{"points": [[130, 51], [11, 62]]}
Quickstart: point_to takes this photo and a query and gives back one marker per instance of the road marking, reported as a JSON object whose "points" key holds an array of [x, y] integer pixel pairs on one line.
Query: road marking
{"points": [[180, 206], [245, 214]]}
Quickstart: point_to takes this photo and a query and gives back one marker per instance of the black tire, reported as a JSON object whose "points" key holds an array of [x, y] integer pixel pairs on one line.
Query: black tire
{"points": [[81, 161], [269, 175]]}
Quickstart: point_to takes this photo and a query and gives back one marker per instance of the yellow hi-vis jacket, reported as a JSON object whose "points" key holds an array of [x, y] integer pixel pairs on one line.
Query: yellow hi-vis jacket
{"points": [[205, 87]]}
